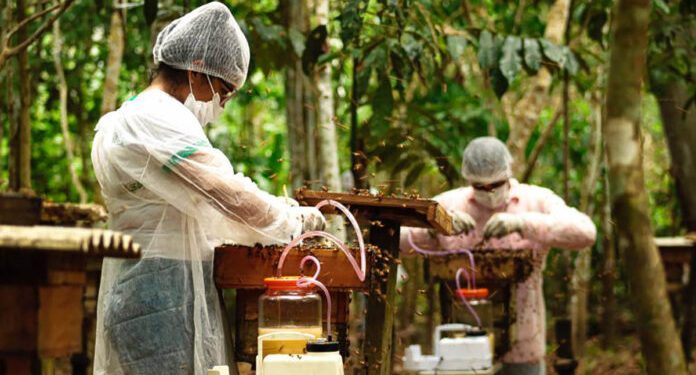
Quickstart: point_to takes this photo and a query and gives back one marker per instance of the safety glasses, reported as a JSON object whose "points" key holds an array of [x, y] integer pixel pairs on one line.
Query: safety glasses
{"points": [[489, 187], [229, 92]]}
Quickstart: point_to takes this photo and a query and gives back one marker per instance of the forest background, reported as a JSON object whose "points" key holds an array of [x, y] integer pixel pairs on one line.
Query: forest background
{"points": [[384, 94]]}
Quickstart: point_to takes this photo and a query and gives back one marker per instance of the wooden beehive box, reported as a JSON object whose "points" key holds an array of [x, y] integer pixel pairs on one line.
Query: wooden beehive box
{"points": [[499, 270], [493, 266], [42, 282], [243, 268]]}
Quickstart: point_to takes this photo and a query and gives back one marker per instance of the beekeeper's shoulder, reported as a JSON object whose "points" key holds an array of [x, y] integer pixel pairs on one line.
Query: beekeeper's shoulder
{"points": [[159, 110]]}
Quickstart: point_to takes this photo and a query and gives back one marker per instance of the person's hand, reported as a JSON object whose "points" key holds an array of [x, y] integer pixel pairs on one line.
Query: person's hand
{"points": [[462, 222], [312, 219], [502, 224]]}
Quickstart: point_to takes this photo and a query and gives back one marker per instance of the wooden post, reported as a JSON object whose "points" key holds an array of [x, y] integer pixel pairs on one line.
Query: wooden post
{"points": [[381, 303], [689, 309]]}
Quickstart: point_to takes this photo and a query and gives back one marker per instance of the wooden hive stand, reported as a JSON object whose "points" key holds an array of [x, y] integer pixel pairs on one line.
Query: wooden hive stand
{"points": [[678, 256], [244, 268], [499, 270], [44, 279]]}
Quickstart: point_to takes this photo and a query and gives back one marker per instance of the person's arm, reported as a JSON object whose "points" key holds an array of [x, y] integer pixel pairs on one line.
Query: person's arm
{"points": [[198, 180], [558, 225], [234, 195]]}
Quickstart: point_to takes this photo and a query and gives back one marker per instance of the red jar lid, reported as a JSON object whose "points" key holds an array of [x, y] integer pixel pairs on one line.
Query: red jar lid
{"points": [[473, 293], [284, 283]]}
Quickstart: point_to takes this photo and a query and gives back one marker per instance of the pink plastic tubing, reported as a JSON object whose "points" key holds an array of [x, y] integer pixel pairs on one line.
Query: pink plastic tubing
{"points": [[359, 270], [464, 300], [306, 281], [472, 262]]}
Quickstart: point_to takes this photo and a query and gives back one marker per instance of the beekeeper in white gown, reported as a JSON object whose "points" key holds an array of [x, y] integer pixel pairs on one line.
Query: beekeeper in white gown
{"points": [[177, 195]]}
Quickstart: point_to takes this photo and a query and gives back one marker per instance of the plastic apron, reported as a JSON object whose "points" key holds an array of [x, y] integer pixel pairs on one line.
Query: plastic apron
{"points": [[166, 186]]}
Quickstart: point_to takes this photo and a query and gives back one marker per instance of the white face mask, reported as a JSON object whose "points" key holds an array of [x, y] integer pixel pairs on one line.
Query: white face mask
{"points": [[205, 112], [493, 199]]}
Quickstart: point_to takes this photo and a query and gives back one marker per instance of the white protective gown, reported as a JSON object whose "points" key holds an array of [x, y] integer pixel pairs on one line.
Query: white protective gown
{"points": [[166, 186]]}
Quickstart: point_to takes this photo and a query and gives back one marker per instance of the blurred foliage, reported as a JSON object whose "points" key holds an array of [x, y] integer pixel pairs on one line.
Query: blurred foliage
{"points": [[429, 78]]}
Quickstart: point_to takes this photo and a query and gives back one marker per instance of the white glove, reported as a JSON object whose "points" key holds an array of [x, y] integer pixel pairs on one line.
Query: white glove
{"points": [[462, 222], [289, 201], [502, 224], [312, 219]]}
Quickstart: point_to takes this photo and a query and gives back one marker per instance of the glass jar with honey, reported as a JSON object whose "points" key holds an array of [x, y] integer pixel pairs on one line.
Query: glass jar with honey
{"points": [[287, 307]]}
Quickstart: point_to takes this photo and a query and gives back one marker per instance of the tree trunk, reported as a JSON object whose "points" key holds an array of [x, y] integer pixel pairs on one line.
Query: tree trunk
{"points": [[524, 115], [113, 63], [4, 20], [580, 280], [608, 300], [20, 142], [295, 88], [328, 172], [358, 158], [63, 93], [660, 342], [679, 123], [9, 92]]}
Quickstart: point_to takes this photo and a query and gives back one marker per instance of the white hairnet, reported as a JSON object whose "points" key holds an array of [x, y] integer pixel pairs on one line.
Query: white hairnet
{"points": [[486, 160], [206, 40]]}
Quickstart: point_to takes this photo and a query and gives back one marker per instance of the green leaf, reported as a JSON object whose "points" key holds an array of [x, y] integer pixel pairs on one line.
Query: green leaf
{"points": [[532, 54], [662, 6], [499, 82], [413, 174], [327, 57], [362, 80], [571, 63], [351, 21], [297, 40], [511, 62], [382, 100], [456, 45], [553, 52], [487, 53]]}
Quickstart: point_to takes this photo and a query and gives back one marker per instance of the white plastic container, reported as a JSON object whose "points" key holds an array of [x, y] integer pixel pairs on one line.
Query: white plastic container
{"points": [[305, 364], [320, 358], [219, 370], [468, 354]]}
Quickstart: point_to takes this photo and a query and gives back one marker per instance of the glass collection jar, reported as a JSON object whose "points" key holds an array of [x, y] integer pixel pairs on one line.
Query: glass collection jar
{"points": [[478, 299], [287, 307]]}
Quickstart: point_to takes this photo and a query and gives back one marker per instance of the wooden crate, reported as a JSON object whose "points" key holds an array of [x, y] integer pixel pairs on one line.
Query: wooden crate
{"points": [[499, 270], [243, 268], [18, 209], [493, 266], [42, 283]]}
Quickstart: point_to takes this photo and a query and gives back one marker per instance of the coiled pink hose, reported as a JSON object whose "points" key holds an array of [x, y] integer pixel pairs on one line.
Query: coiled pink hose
{"points": [[464, 300], [470, 277], [360, 271]]}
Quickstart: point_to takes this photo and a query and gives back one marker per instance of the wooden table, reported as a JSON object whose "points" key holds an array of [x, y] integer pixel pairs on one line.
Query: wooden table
{"points": [[243, 268]]}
